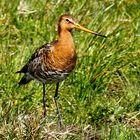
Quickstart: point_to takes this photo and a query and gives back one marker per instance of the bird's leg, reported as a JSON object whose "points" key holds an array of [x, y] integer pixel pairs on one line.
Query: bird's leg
{"points": [[56, 103], [44, 101]]}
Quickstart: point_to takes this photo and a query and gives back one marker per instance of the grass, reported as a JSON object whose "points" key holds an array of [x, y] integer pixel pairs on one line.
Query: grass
{"points": [[101, 99]]}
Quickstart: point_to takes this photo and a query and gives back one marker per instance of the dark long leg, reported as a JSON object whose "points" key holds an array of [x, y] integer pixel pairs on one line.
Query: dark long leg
{"points": [[44, 100], [56, 103]]}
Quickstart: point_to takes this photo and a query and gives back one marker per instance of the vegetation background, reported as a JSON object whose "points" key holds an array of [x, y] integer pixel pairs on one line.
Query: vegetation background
{"points": [[101, 99]]}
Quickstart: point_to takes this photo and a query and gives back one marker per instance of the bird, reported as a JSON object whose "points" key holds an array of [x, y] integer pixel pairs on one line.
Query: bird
{"points": [[53, 62]]}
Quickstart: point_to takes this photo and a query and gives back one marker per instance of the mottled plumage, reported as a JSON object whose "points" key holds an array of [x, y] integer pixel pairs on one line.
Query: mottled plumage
{"points": [[45, 65], [53, 62]]}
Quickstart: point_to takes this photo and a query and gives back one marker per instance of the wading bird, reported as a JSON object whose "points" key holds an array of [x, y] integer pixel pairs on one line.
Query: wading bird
{"points": [[53, 62]]}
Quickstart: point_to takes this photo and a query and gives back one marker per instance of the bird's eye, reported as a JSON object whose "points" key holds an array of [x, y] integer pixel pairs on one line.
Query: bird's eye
{"points": [[68, 21]]}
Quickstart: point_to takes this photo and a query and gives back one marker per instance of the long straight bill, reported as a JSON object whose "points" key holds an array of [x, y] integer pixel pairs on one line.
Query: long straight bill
{"points": [[87, 30]]}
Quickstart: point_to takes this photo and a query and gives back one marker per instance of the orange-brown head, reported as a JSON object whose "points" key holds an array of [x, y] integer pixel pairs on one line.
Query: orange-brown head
{"points": [[66, 22]]}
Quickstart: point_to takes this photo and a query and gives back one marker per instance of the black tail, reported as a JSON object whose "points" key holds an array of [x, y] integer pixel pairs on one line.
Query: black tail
{"points": [[24, 80], [19, 72]]}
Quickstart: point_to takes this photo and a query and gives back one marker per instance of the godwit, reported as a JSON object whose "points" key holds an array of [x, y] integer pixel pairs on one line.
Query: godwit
{"points": [[53, 62]]}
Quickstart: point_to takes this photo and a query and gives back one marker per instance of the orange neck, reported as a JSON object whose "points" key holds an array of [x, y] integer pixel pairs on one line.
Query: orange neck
{"points": [[65, 38]]}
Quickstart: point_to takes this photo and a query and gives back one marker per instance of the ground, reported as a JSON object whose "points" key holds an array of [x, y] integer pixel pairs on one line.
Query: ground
{"points": [[100, 100]]}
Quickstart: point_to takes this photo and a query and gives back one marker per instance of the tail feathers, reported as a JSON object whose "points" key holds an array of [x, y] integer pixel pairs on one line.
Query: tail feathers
{"points": [[19, 72], [24, 80]]}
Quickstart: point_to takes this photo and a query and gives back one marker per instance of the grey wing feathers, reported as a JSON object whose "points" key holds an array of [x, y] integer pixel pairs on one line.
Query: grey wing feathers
{"points": [[36, 55], [33, 66]]}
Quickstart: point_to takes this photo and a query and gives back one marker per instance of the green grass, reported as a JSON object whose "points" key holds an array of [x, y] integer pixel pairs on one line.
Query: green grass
{"points": [[101, 99]]}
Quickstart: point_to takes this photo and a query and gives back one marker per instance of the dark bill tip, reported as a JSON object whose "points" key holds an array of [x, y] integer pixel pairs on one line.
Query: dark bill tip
{"points": [[100, 35]]}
